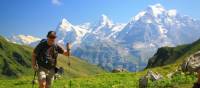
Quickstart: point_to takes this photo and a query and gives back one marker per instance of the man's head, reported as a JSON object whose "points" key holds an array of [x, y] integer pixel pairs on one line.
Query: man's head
{"points": [[51, 37]]}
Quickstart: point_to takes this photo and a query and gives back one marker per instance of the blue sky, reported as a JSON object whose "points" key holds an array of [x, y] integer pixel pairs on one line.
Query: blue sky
{"points": [[37, 17]]}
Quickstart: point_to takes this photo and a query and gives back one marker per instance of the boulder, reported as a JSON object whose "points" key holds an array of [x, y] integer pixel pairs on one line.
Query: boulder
{"points": [[192, 63], [154, 76], [116, 70], [143, 81]]}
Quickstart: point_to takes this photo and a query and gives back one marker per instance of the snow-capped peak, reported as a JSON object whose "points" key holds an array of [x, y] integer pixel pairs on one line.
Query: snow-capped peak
{"points": [[85, 25], [105, 21], [65, 24], [152, 11], [155, 13], [172, 12], [155, 10], [139, 15], [70, 33]]}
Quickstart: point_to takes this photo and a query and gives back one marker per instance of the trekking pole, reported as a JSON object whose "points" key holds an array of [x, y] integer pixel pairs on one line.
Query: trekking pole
{"points": [[33, 81], [69, 63]]}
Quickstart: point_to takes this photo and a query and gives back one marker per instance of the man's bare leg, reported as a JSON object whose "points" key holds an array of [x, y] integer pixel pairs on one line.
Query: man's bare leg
{"points": [[42, 83]]}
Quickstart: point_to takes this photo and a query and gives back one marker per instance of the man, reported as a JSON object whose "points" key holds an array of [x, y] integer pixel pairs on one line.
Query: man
{"points": [[44, 59]]}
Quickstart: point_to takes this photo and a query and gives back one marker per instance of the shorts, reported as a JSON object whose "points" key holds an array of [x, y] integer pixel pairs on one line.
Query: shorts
{"points": [[46, 74]]}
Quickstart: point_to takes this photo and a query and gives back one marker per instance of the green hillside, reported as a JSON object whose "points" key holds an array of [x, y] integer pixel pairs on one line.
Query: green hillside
{"points": [[78, 68], [15, 61], [173, 55]]}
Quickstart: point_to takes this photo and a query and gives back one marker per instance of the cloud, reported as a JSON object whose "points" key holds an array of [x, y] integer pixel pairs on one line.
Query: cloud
{"points": [[56, 2]]}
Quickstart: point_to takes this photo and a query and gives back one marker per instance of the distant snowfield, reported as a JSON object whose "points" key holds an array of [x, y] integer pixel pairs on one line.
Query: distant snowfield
{"points": [[23, 39]]}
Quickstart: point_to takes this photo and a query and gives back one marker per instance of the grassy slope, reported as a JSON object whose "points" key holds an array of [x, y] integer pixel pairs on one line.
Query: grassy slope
{"points": [[78, 68], [14, 59]]}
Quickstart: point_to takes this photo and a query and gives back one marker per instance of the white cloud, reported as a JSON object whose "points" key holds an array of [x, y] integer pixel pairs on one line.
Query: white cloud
{"points": [[56, 2]]}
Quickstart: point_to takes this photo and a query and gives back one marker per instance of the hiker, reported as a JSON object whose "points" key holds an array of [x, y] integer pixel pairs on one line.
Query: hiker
{"points": [[44, 59]]}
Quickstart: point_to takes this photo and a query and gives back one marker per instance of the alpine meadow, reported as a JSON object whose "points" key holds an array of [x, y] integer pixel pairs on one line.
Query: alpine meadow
{"points": [[99, 44]]}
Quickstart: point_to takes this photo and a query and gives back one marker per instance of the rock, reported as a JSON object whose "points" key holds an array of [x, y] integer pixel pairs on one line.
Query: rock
{"points": [[119, 70], [154, 76], [143, 82], [192, 64]]}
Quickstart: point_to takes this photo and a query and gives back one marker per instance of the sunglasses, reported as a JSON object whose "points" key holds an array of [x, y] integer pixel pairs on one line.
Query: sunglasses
{"points": [[52, 37]]}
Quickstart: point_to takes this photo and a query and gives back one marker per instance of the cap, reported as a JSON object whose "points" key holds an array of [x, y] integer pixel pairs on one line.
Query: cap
{"points": [[51, 34]]}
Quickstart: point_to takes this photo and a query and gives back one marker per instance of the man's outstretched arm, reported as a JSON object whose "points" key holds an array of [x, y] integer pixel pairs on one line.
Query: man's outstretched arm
{"points": [[63, 51]]}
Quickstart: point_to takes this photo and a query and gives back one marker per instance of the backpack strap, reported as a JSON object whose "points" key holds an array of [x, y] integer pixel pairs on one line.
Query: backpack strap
{"points": [[43, 41], [55, 54], [41, 46]]}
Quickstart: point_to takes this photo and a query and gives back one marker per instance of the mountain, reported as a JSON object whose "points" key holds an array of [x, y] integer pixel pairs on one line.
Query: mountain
{"points": [[107, 54], [156, 27], [160, 27], [70, 33], [24, 39], [99, 47], [93, 43], [150, 29], [106, 28], [128, 45], [15, 61]]}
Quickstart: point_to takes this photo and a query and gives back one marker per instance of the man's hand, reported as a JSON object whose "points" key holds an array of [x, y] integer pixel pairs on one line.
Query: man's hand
{"points": [[67, 51], [35, 67]]}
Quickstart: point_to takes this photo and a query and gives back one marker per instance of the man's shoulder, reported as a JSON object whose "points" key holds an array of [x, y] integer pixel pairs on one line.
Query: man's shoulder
{"points": [[42, 42]]}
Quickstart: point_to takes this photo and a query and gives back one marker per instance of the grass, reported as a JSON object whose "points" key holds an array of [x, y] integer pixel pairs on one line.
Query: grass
{"points": [[106, 80], [119, 80]]}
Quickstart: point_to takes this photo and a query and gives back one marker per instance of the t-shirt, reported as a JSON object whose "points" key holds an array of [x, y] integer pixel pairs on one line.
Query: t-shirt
{"points": [[46, 55]]}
